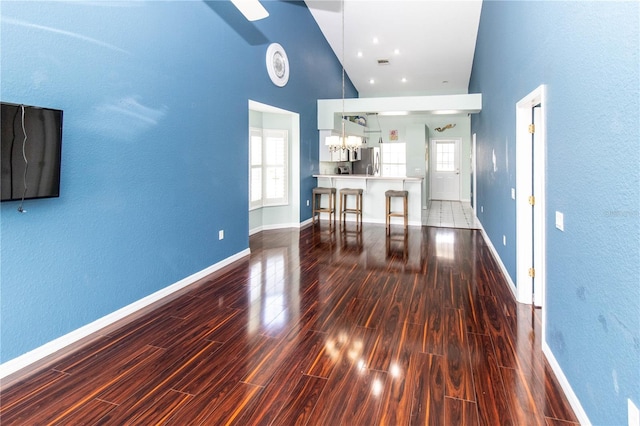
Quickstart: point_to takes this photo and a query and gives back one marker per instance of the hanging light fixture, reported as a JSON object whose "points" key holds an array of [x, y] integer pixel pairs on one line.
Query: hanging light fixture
{"points": [[335, 143], [353, 142]]}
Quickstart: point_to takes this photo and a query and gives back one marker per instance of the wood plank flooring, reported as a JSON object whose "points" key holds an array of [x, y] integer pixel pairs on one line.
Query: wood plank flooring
{"points": [[317, 328]]}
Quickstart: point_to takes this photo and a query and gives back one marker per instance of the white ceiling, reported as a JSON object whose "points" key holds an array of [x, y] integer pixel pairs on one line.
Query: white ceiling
{"points": [[435, 39]]}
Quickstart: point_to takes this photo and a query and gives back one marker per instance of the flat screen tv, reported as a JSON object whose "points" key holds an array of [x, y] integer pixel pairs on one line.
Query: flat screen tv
{"points": [[31, 139]]}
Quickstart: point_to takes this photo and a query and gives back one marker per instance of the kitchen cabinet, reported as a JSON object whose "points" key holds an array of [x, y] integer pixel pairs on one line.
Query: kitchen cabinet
{"points": [[323, 150]]}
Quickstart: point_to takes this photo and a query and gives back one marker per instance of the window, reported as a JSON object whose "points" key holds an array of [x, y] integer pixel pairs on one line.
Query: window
{"points": [[268, 168], [445, 156], [255, 168], [394, 159]]}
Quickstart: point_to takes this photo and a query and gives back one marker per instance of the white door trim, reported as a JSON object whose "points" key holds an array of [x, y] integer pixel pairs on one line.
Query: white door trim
{"points": [[530, 164], [475, 175]]}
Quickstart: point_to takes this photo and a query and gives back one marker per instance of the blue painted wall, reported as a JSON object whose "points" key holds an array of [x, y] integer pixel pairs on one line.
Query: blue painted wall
{"points": [[588, 55], [155, 147]]}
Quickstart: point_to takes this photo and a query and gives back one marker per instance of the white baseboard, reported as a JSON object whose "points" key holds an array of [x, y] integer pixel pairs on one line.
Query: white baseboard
{"points": [[496, 256], [48, 349], [566, 387], [277, 226]]}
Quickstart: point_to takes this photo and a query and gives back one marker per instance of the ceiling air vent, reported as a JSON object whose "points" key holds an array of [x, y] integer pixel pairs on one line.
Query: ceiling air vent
{"points": [[383, 62]]}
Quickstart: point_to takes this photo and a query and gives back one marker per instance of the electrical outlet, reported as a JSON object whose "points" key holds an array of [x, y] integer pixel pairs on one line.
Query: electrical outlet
{"points": [[307, 203], [633, 413], [513, 193], [504, 240], [481, 209], [221, 234]]}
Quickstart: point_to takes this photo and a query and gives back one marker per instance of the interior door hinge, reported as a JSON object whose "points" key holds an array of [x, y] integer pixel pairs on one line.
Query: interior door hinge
{"points": [[532, 200], [532, 272], [532, 128]]}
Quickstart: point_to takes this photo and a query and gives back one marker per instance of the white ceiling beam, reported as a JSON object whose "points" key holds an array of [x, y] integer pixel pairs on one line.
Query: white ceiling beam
{"points": [[440, 104]]}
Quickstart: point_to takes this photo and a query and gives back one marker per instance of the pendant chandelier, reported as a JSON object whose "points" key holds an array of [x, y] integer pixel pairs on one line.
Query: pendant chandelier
{"points": [[336, 143]]}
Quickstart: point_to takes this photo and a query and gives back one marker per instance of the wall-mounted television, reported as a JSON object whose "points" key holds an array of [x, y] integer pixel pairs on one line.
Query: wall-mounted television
{"points": [[31, 150]]}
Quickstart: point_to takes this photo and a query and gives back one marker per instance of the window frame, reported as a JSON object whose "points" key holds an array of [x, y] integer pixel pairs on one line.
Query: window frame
{"points": [[265, 166], [445, 158], [393, 168]]}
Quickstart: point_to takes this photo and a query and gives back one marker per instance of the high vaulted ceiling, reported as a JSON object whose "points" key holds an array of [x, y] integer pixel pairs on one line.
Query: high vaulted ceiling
{"points": [[428, 43]]}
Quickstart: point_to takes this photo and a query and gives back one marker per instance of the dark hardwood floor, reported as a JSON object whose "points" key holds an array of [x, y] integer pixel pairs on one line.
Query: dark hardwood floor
{"points": [[317, 328]]}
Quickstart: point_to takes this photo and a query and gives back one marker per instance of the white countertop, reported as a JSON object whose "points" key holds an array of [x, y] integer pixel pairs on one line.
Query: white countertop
{"points": [[370, 177]]}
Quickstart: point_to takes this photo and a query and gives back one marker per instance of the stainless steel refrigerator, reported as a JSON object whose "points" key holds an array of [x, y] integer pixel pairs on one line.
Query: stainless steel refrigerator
{"points": [[369, 162]]}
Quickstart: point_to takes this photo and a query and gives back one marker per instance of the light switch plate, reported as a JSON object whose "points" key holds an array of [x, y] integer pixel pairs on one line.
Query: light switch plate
{"points": [[513, 193], [560, 221]]}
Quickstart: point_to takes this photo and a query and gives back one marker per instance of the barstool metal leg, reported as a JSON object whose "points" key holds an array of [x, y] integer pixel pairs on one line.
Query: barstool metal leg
{"points": [[406, 213], [387, 212], [359, 204], [332, 208]]}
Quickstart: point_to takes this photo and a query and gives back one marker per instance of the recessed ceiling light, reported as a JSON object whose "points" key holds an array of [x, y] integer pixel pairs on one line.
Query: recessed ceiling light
{"points": [[404, 80], [359, 53], [375, 40], [396, 52], [372, 81]]}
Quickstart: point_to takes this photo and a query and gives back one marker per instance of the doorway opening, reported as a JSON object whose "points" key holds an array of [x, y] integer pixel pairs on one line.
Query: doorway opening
{"points": [[284, 214], [530, 199]]}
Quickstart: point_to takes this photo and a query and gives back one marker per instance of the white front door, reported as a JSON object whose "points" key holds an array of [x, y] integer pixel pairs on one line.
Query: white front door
{"points": [[445, 169]]}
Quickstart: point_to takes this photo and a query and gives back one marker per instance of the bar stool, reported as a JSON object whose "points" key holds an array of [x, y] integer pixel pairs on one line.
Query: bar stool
{"points": [[317, 203], [389, 214], [357, 210]]}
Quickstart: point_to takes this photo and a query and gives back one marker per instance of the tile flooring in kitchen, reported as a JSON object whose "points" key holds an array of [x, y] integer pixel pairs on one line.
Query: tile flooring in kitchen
{"points": [[450, 214]]}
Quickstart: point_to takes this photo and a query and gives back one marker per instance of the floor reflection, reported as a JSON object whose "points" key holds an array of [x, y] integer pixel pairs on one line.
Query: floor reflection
{"points": [[445, 242], [393, 311], [398, 246], [312, 331], [274, 292]]}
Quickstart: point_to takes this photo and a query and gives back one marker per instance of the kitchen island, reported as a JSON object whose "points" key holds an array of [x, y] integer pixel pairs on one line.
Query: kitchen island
{"points": [[374, 187]]}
